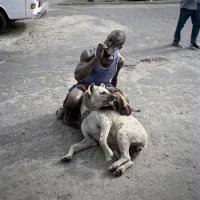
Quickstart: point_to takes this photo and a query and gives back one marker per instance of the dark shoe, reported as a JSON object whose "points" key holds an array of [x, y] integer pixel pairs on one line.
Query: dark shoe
{"points": [[195, 46], [72, 117], [60, 113], [176, 44]]}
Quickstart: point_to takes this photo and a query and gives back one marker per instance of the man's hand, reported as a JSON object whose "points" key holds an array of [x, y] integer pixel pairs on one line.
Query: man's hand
{"points": [[100, 50]]}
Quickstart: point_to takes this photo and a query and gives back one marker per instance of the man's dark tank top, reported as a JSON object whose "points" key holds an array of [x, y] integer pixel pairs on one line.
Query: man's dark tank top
{"points": [[101, 74]]}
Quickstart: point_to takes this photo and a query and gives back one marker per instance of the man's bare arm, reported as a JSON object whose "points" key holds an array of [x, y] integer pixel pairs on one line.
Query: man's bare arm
{"points": [[85, 66], [87, 61]]}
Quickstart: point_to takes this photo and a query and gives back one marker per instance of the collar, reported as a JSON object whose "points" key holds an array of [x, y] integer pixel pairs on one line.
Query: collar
{"points": [[89, 105]]}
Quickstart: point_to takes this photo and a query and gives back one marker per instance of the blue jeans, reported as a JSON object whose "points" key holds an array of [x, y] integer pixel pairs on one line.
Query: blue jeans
{"points": [[183, 17]]}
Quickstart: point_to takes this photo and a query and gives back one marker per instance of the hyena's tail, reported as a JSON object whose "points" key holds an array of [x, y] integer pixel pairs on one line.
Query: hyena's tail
{"points": [[136, 149]]}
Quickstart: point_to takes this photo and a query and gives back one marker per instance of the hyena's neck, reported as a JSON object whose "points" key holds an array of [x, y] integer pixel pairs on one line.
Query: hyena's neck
{"points": [[86, 108], [86, 104]]}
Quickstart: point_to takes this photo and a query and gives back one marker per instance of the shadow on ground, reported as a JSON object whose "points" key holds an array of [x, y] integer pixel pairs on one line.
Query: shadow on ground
{"points": [[45, 140], [15, 28]]}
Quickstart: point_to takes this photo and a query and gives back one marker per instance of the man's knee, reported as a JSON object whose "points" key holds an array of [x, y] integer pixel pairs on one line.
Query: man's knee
{"points": [[74, 98]]}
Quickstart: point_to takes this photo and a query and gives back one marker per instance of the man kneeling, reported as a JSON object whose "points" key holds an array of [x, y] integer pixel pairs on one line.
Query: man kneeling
{"points": [[97, 65]]}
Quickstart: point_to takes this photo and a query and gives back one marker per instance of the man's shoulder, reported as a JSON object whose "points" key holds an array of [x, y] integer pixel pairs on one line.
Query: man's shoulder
{"points": [[120, 59], [119, 55]]}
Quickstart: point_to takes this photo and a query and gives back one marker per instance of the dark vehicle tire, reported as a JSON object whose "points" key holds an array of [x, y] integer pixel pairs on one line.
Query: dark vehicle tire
{"points": [[3, 22]]}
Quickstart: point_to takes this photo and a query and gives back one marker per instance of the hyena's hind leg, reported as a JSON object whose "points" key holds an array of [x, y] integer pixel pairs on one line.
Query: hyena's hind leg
{"points": [[123, 167], [123, 144], [84, 144], [134, 151]]}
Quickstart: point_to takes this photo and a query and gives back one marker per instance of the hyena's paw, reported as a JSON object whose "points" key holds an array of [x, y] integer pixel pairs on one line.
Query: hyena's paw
{"points": [[119, 171]]}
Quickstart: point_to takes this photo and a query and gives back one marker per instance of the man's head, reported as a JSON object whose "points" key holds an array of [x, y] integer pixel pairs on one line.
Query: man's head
{"points": [[114, 41]]}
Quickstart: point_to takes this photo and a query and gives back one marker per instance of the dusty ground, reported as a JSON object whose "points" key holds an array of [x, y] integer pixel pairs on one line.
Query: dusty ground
{"points": [[37, 60]]}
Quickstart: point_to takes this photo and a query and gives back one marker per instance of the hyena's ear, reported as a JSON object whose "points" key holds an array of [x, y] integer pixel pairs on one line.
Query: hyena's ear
{"points": [[91, 88], [103, 85]]}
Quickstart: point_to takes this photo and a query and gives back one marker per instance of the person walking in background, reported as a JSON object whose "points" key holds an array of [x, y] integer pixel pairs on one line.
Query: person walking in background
{"points": [[189, 8]]}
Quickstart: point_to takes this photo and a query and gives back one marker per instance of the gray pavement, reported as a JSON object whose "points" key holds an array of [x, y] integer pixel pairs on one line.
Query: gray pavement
{"points": [[86, 2], [68, 2], [37, 60]]}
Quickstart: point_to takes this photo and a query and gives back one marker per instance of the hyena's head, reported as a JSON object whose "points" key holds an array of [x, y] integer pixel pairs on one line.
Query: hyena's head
{"points": [[100, 96]]}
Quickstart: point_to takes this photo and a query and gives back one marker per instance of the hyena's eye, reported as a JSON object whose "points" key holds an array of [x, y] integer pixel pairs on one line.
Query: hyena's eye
{"points": [[102, 92]]}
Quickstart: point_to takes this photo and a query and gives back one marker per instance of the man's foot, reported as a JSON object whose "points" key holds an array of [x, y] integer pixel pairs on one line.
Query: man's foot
{"points": [[195, 46], [60, 113], [177, 44]]}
